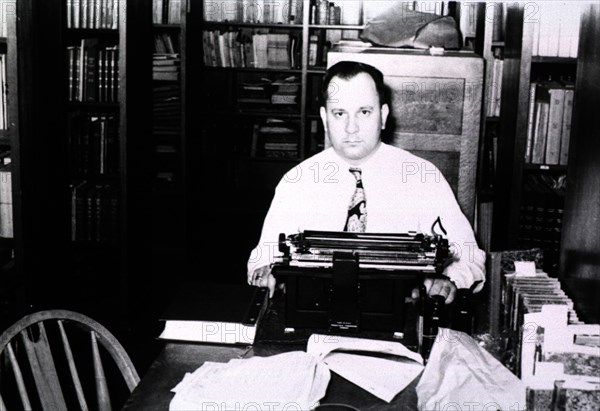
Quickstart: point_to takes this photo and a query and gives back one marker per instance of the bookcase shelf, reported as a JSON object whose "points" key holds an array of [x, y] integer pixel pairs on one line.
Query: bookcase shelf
{"points": [[548, 60], [93, 105], [227, 24], [336, 26], [545, 167], [173, 27], [527, 192], [253, 70]]}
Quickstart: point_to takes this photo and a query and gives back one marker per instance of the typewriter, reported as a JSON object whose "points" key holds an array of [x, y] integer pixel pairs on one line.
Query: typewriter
{"points": [[345, 281]]}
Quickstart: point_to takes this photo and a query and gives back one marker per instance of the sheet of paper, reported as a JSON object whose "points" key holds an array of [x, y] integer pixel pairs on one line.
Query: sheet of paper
{"points": [[353, 359], [292, 379], [381, 377], [321, 345], [525, 268], [208, 331]]}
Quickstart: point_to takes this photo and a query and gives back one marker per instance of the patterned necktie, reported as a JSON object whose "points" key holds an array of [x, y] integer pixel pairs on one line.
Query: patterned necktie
{"points": [[357, 210]]}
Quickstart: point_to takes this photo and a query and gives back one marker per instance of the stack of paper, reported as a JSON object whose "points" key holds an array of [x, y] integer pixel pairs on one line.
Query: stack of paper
{"points": [[293, 380], [298, 380]]}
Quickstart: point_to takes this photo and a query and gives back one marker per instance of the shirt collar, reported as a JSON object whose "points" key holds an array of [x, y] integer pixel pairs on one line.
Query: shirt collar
{"points": [[376, 158]]}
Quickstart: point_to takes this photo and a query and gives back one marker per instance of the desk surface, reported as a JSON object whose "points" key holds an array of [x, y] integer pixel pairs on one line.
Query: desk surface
{"points": [[175, 359], [153, 391]]}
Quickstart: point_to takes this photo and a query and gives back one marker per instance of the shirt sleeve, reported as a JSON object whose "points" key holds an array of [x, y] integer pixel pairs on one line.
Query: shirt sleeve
{"points": [[469, 260], [276, 221]]}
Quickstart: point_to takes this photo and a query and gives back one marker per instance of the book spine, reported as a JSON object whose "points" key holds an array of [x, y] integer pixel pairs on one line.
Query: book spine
{"points": [[555, 116], [541, 129], [530, 122], [91, 81], [565, 136], [6, 220], [81, 71]]}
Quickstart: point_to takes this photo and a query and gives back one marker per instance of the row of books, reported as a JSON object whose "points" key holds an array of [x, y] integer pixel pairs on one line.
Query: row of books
{"points": [[495, 94], [94, 212], [258, 93], [275, 138], [248, 48], [549, 122], [3, 96], [254, 11], [541, 227], [93, 72], [555, 27], [166, 128], [557, 355], [347, 12], [6, 203], [541, 213], [495, 12], [92, 14], [524, 293], [166, 43], [166, 11], [94, 140]]}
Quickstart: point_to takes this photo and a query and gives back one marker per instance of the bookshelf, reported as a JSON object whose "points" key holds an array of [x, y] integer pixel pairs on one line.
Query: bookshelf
{"points": [[530, 189], [83, 134]]}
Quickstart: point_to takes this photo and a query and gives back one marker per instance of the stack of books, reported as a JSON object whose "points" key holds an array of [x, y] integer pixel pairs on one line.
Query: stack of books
{"points": [[558, 355], [165, 60], [286, 91], [275, 138]]}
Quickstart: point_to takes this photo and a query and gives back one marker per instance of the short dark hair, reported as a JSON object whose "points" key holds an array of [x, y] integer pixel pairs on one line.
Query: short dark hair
{"points": [[349, 69]]}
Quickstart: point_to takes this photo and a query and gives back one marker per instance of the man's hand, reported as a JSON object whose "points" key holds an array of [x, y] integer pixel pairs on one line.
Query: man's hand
{"points": [[262, 277], [438, 286]]}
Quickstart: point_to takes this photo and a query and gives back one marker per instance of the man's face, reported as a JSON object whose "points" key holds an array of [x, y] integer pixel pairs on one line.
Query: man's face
{"points": [[353, 117]]}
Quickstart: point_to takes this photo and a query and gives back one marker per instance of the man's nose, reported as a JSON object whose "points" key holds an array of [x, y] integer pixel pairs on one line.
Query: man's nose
{"points": [[351, 125]]}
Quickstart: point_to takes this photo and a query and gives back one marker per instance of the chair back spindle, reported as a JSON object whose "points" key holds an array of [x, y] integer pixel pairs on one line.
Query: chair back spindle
{"points": [[72, 369], [101, 387], [28, 346]]}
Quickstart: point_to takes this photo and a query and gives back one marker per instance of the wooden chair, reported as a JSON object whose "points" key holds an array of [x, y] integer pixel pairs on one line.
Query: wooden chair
{"points": [[39, 353]]}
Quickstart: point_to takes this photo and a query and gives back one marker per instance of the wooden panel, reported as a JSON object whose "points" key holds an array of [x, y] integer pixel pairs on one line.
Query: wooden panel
{"points": [[427, 105], [435, 110]]}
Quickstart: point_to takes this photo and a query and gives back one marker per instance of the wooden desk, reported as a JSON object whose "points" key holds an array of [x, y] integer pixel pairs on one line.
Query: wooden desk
{"points": [[153, 391], [175, 359]]}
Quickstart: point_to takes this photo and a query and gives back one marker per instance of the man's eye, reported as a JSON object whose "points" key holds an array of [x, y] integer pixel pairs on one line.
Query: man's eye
{"points": [[365, 113], [338, 113]]}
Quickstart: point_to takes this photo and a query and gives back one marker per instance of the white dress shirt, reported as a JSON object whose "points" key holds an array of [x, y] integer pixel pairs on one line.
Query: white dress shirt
{"points": [[403, 193]]}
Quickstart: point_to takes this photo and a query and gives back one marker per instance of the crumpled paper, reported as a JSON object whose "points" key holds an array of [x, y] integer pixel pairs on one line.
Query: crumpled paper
{"points": [[462, 375], [401, 27]]}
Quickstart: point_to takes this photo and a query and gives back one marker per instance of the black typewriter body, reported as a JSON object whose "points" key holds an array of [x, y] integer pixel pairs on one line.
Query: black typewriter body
{"points": [[349, 282]]}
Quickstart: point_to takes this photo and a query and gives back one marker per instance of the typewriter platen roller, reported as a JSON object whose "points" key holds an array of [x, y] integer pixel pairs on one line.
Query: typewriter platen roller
{"points": [[383, 251], [353, 281]]}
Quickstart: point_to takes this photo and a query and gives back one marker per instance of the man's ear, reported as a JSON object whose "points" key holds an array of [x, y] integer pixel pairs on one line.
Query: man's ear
{"points": [[385, 110], [323, 113]]}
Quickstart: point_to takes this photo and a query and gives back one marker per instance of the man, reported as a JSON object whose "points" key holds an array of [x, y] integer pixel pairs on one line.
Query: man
{"points": [[399, 192]]}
